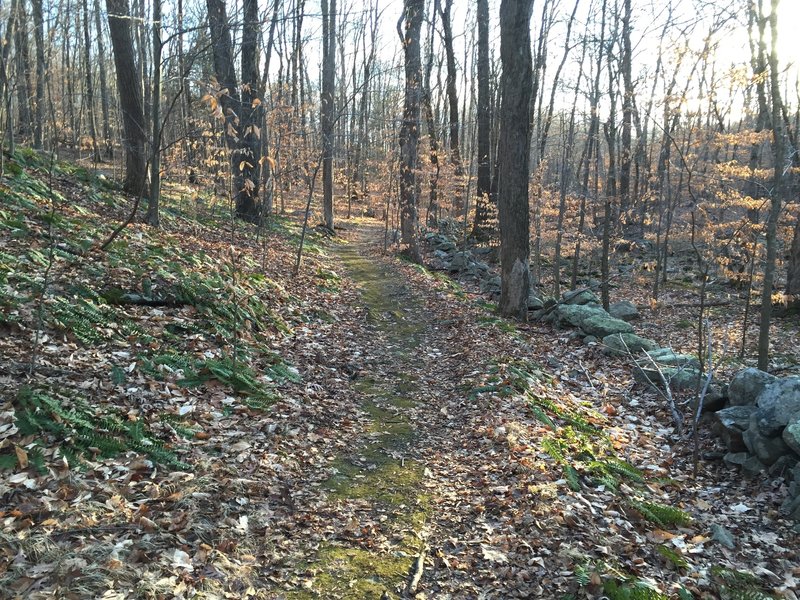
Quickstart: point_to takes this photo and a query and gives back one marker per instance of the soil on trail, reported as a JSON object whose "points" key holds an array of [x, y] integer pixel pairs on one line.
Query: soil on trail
{"points": [[378, 479]]}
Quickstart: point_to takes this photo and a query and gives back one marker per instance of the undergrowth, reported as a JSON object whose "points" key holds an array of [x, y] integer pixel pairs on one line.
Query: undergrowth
{"points": [[80, 431]]}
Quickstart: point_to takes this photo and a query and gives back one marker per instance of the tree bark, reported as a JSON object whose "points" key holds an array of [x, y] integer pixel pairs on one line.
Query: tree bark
{"points": [[152, 217], [130, 96], [484, 106], [779, 157], [326, 106], [87, 57], [409, 130], [241, 136], [104, 99], [627, 115], [450, 83], [41, 69], [23, 83], [513, 152]]}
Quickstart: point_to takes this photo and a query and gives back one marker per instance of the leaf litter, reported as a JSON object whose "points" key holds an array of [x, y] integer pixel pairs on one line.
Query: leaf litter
{"points": [[406, 432]]}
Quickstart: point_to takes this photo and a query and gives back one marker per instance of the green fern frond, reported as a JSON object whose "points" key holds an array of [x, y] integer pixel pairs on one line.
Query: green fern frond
{"points": [[672, 556], [660, 514], [624, 468], [573, 480]]}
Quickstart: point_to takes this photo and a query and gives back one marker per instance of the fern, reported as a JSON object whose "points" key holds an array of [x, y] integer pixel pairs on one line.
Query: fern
{"points": [[672, 556], [739, 585], [660, 514], [81, 431], [573, 480], [631, 590]]}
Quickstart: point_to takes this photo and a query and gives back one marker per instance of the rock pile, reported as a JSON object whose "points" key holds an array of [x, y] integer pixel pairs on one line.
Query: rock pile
{"points": [[761, 429]]}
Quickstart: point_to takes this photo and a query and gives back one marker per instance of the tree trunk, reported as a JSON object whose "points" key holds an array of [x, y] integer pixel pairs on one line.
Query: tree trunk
{"points": [[326, 106], [130, 90], [241, 136], [513, 151], [87, 57], [793, 270], [484, 182], [779, 156], [151, 218], [450, 83], [409, 130], [627, 115], [433, 138], [23, 83], [41, 69], [104, 99]]}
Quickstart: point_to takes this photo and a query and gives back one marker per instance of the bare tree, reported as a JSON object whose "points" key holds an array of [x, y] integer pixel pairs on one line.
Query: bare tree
{"points": [[409, 29], [130, 96], [514, 144], [326, 106], [779, 157]]}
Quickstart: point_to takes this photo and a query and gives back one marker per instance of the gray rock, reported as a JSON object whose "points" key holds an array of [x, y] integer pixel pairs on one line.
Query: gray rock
{"points": [[735, 459], [491, 284], [753, 467], [779, 403], [715, 400], [747, 384], [441, 255], [460, 261], [783, 466], [580, 297], [768, 450], [590, 339], [791, 435], [668, 357], [574, 315], [446, 245], [619, 344], [723, 536], [791, 507], [624, 310], [679, 378], [731, 423], [600, 325], [535, 303]]}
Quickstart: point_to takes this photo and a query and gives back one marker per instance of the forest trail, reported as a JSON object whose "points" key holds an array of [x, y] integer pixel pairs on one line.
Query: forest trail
{"points": [[428, 493], [376, 483]]}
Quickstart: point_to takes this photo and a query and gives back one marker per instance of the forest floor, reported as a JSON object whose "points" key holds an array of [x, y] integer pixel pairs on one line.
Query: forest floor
{"points": [[181, 417]]}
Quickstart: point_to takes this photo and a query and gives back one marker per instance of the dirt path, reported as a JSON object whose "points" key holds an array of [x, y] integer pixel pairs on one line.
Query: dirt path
{"points": [[376, 484]]}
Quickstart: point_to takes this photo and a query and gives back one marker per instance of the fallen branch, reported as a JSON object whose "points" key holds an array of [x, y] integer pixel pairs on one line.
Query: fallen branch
{"points": [[416, 572]]}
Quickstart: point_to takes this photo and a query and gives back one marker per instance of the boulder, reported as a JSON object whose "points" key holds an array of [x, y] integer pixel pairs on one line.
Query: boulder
{"points": [[460, 261], [779, 404], [582, 296], [750, 465], [791, 435], [602, 325], [624, 310], [747, 384], [619, 344], [670, 358], [768, 450], [678, 378], [731, 423], [491, 284], [783, 466], [716, 398], [574, 315], [535, 303]]}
